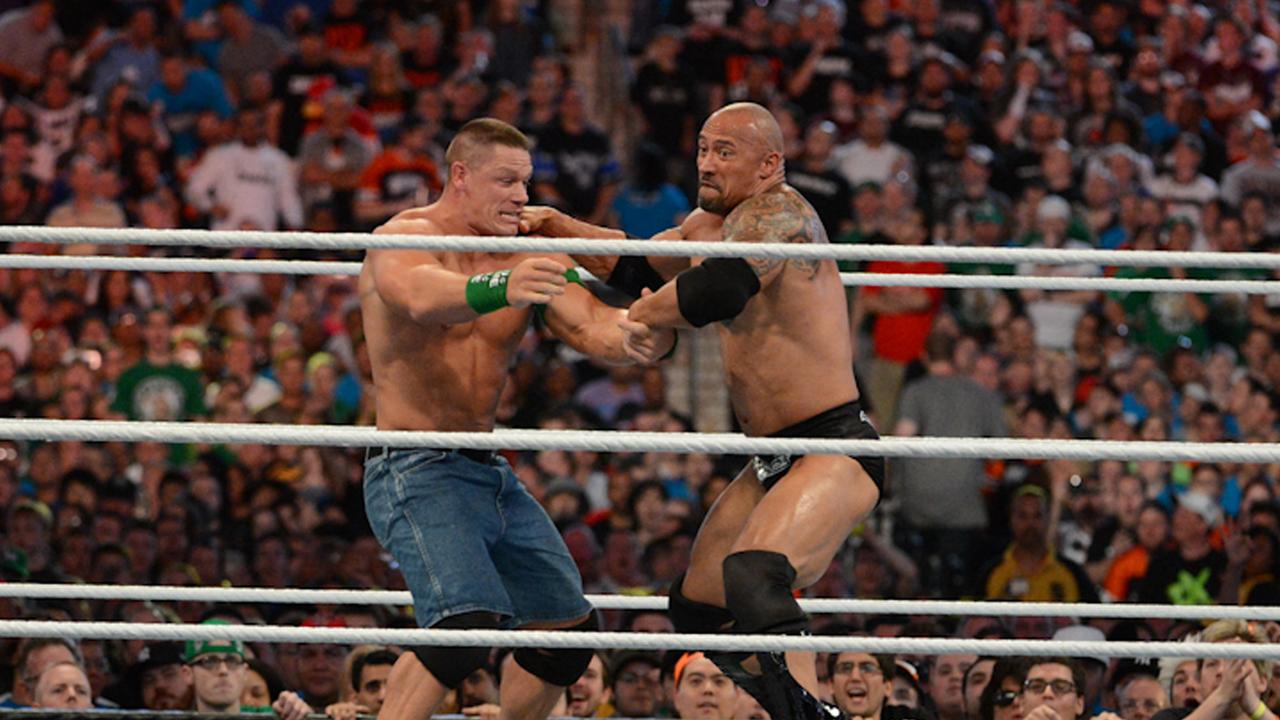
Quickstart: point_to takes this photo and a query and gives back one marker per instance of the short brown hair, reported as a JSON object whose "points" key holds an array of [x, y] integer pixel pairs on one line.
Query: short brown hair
{"points": [[483, 133]]}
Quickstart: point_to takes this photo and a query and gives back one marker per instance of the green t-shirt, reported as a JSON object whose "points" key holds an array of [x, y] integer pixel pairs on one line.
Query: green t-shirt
{"points": [[168, 393], [1161, 321], [1228, 320]]}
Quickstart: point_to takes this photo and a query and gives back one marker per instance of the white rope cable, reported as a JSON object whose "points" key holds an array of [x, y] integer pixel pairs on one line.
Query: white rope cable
{"points": [[855, 279], [611, 441], [675, 248], [628, 641], [820, 606]]}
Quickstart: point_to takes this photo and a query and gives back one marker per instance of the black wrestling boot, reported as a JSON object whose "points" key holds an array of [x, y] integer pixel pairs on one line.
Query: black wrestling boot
{"points": [[784, 698]]}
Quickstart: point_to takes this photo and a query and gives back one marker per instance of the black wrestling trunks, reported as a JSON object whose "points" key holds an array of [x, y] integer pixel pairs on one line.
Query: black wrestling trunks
{"points": [[843, 421]]}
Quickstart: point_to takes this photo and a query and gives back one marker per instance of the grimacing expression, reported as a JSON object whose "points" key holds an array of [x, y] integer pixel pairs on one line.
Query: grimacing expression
{"points": [[496, 186], [729, 163]]}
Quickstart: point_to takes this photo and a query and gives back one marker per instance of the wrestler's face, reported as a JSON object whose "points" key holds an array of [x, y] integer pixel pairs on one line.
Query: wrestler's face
{"points": [[730, 164], [496, 186]]}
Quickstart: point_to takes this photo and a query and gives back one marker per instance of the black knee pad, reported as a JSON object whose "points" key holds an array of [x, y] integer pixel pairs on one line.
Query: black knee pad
{"points": [[561, 666], [691, 616], [452, 665], [757, 589]]}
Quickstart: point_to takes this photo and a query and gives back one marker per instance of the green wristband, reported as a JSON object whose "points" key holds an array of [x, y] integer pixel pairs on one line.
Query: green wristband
{"points": [[487, 292]]}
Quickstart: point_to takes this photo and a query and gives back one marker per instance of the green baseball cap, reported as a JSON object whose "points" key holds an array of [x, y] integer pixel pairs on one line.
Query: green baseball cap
{"points": [[196, 648]]}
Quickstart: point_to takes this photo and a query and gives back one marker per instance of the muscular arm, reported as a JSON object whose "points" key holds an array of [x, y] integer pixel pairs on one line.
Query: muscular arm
{"points": [[414, 284], [698, 225], [770, 217], [588, 325]]}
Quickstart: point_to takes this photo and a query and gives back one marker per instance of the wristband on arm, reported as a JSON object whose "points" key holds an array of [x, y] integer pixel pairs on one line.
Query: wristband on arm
{"points": [[487, 292]]}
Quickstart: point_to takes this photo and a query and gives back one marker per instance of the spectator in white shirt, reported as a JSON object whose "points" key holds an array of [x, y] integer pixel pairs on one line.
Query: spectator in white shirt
{"points": [[248, 182], [872, 157]]}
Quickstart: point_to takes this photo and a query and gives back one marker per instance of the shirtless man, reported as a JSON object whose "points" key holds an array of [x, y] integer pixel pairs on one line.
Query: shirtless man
{"points": [[786, 348], [476, 550]]}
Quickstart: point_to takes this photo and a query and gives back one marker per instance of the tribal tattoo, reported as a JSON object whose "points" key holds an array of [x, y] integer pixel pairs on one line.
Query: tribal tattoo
{"points": [[778, 216]]}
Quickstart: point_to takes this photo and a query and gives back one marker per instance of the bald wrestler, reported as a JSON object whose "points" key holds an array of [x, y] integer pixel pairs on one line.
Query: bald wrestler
{"points": [[787, 354], [476, 550]]}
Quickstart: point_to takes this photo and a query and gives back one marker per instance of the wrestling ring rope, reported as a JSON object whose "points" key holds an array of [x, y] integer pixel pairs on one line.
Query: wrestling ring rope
{"points": [[347, 436]]}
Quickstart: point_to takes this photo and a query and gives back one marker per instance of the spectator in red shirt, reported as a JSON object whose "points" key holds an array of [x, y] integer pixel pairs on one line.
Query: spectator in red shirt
{"points": [[903, 318]]}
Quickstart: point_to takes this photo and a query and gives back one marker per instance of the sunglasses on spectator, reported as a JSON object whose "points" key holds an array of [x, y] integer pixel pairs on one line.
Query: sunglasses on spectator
{"points": [[1004, 698], [211, 662], [1060, 687]]}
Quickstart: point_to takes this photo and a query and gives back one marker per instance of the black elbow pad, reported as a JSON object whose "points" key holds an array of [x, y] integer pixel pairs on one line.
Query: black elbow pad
{"points": [[716, 290], [632, 274]]}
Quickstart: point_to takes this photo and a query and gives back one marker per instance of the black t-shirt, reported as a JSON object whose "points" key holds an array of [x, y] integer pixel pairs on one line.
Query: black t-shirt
{"points": [[421, 71], [840, 61], [737, 57], [577, 165], [293, 82], [666, 101], [1171, 579], [829, 194], [966, 23]]}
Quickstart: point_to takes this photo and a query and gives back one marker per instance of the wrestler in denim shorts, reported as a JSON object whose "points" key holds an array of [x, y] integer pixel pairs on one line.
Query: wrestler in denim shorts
{"points": [[469, 538]]}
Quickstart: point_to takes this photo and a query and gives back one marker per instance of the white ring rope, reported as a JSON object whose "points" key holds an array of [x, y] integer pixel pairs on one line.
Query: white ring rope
{"points": [[854, 279], [629, 641], [612, 441], [819, 606], [675, 248]]}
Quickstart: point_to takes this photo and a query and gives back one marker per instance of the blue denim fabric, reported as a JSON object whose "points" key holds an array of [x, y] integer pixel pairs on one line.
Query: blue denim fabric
{"points": [[469, 538]]}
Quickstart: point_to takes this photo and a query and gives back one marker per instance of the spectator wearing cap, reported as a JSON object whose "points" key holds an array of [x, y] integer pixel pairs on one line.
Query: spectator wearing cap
{"points": [[1259, 173], [1030, 569], [972, 186], [29, 528], [861, 683], [944, 543], [635, 685], [816, 179], [1095, 667], [702, 690], [246, 182], [320, 667], [63, 686], [26, 36], [182, 94], [872, 157], [1053, 690], [1191, 572]]}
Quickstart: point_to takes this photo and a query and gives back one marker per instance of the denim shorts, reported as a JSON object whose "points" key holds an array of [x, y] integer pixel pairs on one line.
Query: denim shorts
{"points": [[469, 538]]}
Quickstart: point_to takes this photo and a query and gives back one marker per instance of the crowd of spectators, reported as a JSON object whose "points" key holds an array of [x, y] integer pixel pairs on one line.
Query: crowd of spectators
{"points": [[1011, 123]]}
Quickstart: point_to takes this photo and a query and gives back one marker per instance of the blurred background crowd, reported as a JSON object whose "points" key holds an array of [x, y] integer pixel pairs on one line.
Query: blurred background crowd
{"points": [[1134, 124]]}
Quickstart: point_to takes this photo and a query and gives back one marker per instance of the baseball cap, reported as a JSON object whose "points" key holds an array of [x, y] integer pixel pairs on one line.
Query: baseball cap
{"points": [[1082, 633], [196, 648], [1079, 42], [1053, 207], [986, 211], [981, 154], [1202, 505], [625, 659]]}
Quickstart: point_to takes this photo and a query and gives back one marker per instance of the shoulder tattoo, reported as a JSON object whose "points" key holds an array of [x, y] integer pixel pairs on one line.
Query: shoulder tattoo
{"points": [[776, 217]]}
